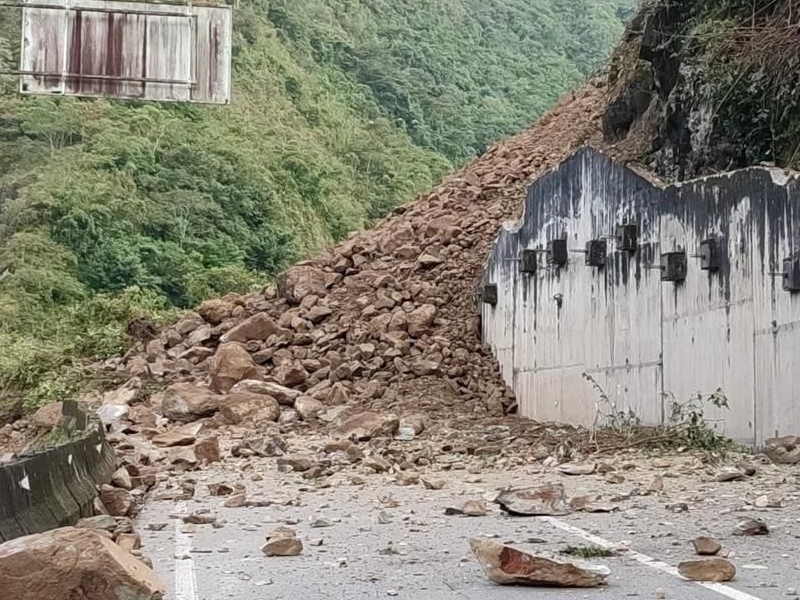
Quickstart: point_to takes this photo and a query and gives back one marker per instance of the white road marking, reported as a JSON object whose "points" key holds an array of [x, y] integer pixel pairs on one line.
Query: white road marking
{"points": [[185, 580], [719, 588]]}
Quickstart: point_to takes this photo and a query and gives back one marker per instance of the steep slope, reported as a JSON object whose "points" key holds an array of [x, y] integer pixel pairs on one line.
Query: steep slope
{"points": [[342, 110]]}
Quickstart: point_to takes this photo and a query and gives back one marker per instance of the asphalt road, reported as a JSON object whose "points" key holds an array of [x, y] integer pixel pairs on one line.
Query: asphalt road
{"points": [[423, 554]]}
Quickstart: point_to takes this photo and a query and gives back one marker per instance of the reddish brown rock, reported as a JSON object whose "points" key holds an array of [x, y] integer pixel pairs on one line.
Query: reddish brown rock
{"points": [[290, 375], [48, 416], [507, 566], [541, 500], [230, 365], [185, 402], [297, 282], [783, 450], [258, 327], [216, 311], [308, 408], [420, 319], [75, 564], [282, 542], [284, 395], [207, 450]]}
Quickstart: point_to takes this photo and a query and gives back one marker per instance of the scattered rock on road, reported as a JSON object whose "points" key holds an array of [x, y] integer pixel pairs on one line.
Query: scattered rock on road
{"points": [[751, 527], [578, 468], [535, 501], [282, 542], [783, 450], [707, 569], [508, 566], [706, 546], [74, 563], [729, 474]]}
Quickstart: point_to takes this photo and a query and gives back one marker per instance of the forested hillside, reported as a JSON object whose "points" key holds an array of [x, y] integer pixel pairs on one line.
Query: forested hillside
{"points": [[342, 109]]}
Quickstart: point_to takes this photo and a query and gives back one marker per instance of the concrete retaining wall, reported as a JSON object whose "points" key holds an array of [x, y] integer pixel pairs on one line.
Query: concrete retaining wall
{"points": [[55, 487], [645, 340]]}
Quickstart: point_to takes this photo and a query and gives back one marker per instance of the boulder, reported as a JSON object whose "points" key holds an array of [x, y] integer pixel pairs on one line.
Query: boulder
{"points": [[297, 282], [122, 479], [251, 408], [48, 416], [783, 450], [707, 569], [216, 311], [508, 566], [118, 502], [207, 450], [185, 402], [307, 407], [282, 542], [284, 395], [290, 374], [420, 319], [182, 436], [76, 564], [230, 365], [258, 327], [367, 425], [183, 458]]}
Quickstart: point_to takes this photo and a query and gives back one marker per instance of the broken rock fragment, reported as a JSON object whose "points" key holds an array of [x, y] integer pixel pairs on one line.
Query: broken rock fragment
{"points": [[577, 468], [230, 365], [118, 502], [282, 542], [508, 566], [705, 546], [783, 450], [186, 402], [751, 527], [74, 563], [541, 500], [367, 425], [707, 569], [252, 408], [258, 327]]}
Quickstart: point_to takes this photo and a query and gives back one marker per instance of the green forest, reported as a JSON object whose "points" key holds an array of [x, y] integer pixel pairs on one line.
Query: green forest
{"points": [[341, 110]]}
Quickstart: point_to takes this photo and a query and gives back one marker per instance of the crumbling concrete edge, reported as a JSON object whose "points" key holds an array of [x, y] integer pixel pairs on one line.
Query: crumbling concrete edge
{"points": [[57, 486]]}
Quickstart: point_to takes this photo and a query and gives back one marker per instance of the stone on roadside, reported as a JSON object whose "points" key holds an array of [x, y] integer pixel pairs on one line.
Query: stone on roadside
{"points": [[297, 462], [474, 508], [235, 501], [707, 569], [308, 408], [207, 450], [48, 416], [239, 407], [706, 546], [577, 468], [543, 500], [104, 522], [182, 436], [282, 542], [74, 563], [258, 327], [783, 450], [656, 485], [118, 502], [729, 474], [751, 527], [122, 479], [285, 396], [432, 483], [505, 565]]}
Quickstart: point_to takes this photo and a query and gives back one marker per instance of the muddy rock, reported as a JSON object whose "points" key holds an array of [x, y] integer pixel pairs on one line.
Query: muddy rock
{"points": [[230, 365], [367, 425], [258, 327], [247, 407], [74, 563], [707, 569], [508, 566], [185, 402], [705, 546]]}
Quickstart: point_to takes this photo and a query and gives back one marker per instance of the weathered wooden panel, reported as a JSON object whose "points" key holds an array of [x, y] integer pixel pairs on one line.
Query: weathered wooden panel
{"points": [[640, 338], [132, 50]]}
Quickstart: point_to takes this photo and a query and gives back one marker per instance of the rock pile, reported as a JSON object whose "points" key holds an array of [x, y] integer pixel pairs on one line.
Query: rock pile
{"points": [[383, 321]]}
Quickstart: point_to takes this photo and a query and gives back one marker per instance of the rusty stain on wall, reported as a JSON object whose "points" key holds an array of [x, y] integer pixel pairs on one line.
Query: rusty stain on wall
{"points": [[645, 341], [130, 50]]}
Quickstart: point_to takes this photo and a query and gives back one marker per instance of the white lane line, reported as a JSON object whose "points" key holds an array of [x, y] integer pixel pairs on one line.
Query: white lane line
{"points": [[185, 580], [646, 560]]}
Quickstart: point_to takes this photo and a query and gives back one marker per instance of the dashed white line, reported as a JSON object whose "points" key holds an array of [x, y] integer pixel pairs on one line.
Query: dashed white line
{"points": [[719, 588], [185, 579]]}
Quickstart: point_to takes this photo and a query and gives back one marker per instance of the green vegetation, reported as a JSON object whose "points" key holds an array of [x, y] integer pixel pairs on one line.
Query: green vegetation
{"points": [[587, 551], [342, 109]]}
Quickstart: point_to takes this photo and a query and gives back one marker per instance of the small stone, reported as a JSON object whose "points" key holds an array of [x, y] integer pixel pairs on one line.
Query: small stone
{"points": [[751, 527], [198, 518], [432, 484], [705, 546], [474, 508], [707, 569], [578, 469], [235, 501], [615, 478], [660, 594], [316, 523], [282, 542], [729, 474], [118, 502], [220, 489], [656, 485]]}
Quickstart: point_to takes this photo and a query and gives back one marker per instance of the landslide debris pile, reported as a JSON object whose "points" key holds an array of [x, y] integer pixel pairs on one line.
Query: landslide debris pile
{"points": [[386, 319]]}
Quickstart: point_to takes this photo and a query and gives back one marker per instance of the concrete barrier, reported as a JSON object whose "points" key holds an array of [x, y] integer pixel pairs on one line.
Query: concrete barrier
{"points": [[56, 486]]}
